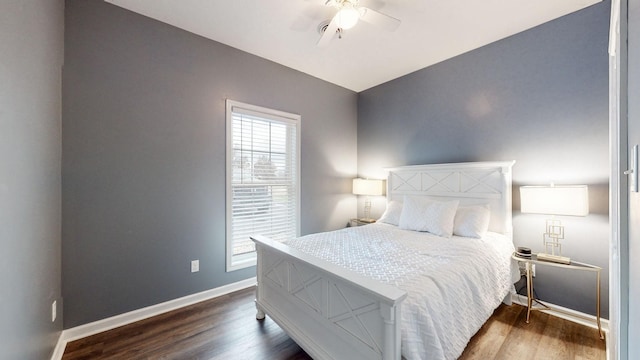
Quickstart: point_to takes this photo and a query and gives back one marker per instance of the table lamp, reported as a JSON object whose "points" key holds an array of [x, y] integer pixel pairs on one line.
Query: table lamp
{"points": [[571, 200], [368, 187]]}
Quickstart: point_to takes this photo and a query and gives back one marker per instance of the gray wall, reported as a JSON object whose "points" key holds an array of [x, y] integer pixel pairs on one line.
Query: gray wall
{"points": [[144, 157], [31, 49], [539, 97]]}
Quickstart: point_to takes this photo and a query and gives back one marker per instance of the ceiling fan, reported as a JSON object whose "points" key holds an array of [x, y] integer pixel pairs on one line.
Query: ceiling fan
{"points": [[348, 15]]}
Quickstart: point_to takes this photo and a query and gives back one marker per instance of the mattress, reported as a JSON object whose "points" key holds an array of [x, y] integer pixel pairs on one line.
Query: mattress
{"points": [[453, 284]]}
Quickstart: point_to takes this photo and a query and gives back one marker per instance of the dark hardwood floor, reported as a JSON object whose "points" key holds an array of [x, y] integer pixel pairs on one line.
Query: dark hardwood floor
{"points": [[226, 328]]}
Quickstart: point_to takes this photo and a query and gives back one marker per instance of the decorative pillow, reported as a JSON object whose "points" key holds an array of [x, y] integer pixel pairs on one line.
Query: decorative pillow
{"points": [[472, 221], [392, 214], [423, 214]]}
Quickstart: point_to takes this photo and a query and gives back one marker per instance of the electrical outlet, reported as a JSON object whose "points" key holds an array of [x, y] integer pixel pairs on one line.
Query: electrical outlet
{"points": [[195, 266], [54, 311]]}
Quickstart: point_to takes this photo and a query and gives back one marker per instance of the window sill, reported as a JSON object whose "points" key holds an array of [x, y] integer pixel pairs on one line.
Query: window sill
{"points": [[241, 262]]}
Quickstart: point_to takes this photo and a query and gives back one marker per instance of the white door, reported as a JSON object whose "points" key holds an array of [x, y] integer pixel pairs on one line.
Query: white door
{"points": [[633, 138], [625, 198], [623, 340]]}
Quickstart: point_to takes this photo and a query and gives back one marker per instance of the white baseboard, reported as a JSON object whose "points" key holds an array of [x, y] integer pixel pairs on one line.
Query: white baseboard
{"points": [[113, 322], [567, 314]]}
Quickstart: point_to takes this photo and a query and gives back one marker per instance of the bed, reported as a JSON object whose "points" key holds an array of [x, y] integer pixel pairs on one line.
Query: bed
{"points": [[383, 291]]}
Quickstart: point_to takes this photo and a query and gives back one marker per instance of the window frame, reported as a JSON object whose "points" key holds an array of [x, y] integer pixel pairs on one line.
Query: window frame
{"points": [[241, 261]]}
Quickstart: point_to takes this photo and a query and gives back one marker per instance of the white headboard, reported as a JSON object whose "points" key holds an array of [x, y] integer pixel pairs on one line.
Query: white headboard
{"points": [[471, 183]]}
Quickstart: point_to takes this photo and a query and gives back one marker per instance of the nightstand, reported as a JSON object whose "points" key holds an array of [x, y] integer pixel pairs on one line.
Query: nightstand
{"points": [[574, 265], [360, 222]]}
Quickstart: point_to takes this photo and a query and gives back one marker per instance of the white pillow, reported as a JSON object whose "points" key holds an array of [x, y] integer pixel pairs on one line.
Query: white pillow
{"points": [[423, 214], [392, 213], [472, 221]]}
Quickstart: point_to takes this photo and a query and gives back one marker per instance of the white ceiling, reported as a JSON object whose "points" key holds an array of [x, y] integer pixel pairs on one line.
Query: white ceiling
{"points": [[285, 31]]}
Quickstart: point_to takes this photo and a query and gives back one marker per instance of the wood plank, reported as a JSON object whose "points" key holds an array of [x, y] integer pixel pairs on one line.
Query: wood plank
{"points": [[226, 328], [523, 338], [486, 343]]}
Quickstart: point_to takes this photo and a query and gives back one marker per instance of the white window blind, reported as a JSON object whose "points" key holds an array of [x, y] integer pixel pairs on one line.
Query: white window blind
{"points": [[262, 178]]}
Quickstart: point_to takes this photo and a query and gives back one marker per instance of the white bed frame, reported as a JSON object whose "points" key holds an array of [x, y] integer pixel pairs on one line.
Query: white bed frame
{"points": [[334, 313]]}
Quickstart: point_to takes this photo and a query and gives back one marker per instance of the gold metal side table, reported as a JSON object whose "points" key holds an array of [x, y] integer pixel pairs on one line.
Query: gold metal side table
{"points": [[574, 265]]}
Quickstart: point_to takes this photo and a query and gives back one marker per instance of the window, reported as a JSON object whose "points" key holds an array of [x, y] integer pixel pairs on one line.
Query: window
{"points": [[263, 179]]}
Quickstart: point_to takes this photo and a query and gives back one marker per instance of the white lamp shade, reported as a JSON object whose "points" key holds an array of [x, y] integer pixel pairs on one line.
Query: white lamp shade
{"points": [[555, 200], [369, 187]]}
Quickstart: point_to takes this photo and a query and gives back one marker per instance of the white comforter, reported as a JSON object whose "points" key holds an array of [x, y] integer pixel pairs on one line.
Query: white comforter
{"points": [[453, 285]]}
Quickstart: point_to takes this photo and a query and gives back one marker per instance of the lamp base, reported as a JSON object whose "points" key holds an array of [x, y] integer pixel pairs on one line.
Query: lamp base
{"points": [[554, 258], [367, 220]]}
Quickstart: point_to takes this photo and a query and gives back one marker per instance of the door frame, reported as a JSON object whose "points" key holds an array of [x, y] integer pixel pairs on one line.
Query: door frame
{"points": [[617, 339]]}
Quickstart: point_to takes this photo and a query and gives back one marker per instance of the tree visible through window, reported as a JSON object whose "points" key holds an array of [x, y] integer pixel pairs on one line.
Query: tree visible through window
{"points": [[262, 178]]}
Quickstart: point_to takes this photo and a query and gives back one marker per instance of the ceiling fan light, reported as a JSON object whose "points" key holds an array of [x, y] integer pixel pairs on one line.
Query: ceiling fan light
{"points": [[347, 17]]}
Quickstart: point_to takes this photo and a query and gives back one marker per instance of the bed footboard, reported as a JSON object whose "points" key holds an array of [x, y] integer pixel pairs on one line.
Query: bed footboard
{"points": [[331, 312]]}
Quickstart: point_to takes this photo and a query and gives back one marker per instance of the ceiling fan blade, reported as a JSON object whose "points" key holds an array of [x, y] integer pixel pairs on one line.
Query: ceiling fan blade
{"points": [[379, 19], [329, 33]]}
